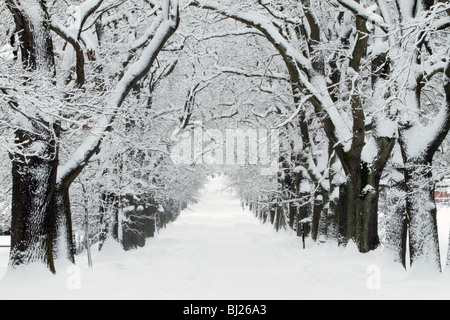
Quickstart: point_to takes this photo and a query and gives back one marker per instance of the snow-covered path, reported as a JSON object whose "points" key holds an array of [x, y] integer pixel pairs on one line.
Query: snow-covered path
{"points": [[218, 251]]}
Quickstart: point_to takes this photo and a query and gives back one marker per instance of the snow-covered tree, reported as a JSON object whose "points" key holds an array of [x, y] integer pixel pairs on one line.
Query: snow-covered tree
{"points": [[414, 45], [359, 67], [99, 94], [61, 47]]}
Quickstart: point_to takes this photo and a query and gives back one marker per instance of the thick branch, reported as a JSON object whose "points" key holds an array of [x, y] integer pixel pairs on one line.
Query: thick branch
{"points": [[442, 23], [87, 9], [385, 12], [364, 14], [249, 74], [80, 60], [264, 25], [443, 125], [301, 71], [71, 169]]}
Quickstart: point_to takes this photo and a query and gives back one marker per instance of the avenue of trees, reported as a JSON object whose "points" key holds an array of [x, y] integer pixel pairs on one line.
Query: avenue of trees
{"points": [[96, 94]]}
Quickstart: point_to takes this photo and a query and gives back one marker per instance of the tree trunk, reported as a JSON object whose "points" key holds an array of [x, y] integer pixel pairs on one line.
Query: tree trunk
{"points": [[264, 213], [321, 199], [421, 207], [328, 225], [358, 210], [272, 212], [35, 158], [397, 223], [108, 210], [349, 208], [34, 198], [448, 256], [64, 247], [304, 210], [290, 194], [86, 228], [358, 213], [367, 219], [342, 214], [422, 213]]}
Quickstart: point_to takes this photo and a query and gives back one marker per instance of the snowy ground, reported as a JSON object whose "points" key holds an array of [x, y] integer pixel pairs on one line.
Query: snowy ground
{"points": [[217, 251]]}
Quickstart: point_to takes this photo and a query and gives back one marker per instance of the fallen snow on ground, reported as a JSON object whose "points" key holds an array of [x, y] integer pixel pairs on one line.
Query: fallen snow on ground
{"points": [[218, 251], [4, 254]]}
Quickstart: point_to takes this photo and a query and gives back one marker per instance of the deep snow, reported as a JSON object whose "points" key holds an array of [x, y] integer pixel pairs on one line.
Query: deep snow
{"points": [[218, 251]]}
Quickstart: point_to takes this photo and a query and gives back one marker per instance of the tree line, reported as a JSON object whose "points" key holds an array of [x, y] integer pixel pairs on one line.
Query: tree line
{"points": [[359, 89]]}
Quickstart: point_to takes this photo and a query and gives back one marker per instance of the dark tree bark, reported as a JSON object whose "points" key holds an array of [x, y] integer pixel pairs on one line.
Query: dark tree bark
{"points": [[397, 222], [421, 213], [320, 201], [421, 207], [33, 200], [108, 213], [64, 241], [35, 157]]}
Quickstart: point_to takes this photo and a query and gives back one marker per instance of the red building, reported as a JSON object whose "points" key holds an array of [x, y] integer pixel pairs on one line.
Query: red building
{"points": [[442, 196]]}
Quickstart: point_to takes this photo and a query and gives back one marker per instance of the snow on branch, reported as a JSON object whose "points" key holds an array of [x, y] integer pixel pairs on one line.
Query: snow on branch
{"points": [[406, 8], [431, 70], [249, 74], [385, 11], [423, 140], [70, 170], [71, 38], [244, 32], [301, 67], [142, 41], [73, 34], [296, 113], [263, 24], [365, 14], [100, 12], [442, 23], [86, 9], [279, 15]]}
